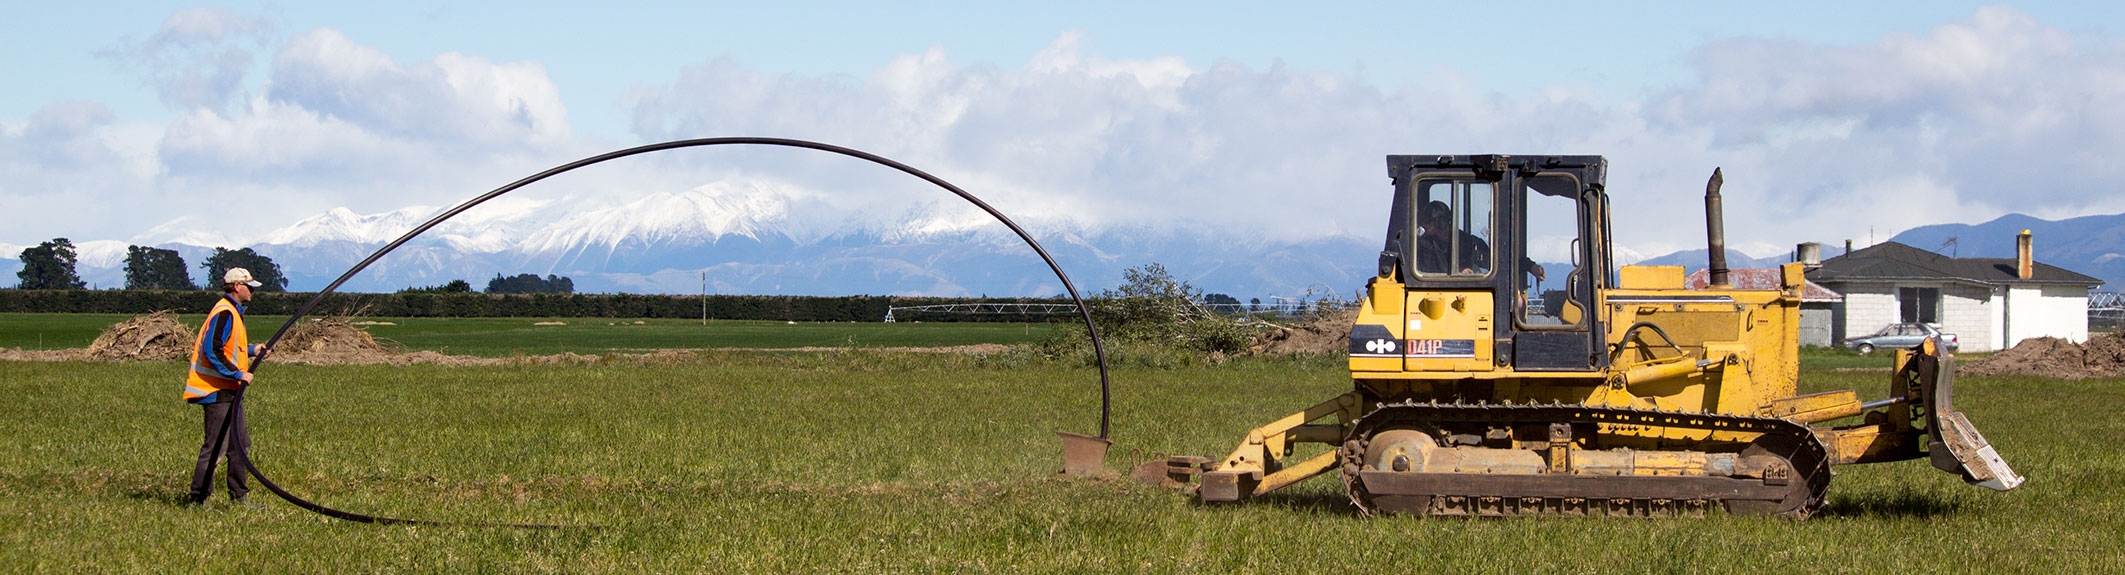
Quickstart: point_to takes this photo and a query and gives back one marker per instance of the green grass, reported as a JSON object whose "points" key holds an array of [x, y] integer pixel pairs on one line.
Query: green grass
{"points": [[57, 330], [878, 462], [498, 337]]}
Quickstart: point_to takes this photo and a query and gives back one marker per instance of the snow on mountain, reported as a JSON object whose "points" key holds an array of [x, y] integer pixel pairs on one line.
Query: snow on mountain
{"points": [[765, 239], [701, 215], [186, 230], [100, 254], [342, 224], [495, 226]]}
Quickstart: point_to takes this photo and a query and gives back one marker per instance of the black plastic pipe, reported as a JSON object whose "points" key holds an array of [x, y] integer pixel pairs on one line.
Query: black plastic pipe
{"points": [[1098, 350]]}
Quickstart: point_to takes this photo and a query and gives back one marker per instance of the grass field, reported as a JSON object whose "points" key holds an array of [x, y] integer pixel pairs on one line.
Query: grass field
{"points": [[498, 337], [867, 461]]}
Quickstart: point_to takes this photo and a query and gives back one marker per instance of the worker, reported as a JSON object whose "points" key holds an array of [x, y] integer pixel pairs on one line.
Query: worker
{"points": [[221, 368], [1436, 244]]}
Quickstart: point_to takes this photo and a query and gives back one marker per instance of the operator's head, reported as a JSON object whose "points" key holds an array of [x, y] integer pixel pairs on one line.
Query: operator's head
{"points": [[237, 277], [1437, 217]]}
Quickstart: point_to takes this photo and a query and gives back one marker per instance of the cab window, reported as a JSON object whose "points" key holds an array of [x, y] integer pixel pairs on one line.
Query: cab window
{"points": [[1552, 288], [1454, 228]]}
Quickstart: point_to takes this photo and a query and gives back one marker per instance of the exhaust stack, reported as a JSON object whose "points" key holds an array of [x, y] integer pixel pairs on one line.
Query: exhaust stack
{"points": [[1715, 231]]}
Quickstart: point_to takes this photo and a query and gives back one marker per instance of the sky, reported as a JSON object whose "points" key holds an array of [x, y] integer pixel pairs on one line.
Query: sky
{"points": [[151, 122]]}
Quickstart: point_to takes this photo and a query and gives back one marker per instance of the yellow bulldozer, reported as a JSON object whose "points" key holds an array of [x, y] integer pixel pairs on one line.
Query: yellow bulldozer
{"points": [[1487, 384]]}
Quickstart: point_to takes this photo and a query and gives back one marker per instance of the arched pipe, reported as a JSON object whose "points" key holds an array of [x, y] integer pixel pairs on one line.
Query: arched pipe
{"points": [[1084, 311]]}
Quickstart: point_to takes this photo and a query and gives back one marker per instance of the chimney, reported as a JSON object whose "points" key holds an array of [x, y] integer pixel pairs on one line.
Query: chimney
{"points": [[2025, 262], [1809, 255], [1848, 246]]}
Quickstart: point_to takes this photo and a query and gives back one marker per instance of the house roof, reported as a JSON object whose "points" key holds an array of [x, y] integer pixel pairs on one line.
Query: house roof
{"points": [[1891, 261], [1762, 279]]}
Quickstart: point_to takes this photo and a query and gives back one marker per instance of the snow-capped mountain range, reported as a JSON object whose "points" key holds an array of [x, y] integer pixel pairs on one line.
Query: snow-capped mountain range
{"points": [[760, 239], [756, 239]]}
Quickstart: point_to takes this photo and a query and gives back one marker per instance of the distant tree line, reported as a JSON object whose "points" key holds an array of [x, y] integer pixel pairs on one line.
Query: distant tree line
{"points": [[50, 266], [452, 286], [530, 283], [434, 304]]}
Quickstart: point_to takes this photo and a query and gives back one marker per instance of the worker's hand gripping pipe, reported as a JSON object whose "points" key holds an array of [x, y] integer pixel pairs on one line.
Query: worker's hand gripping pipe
{"points": [[1099, 351]]}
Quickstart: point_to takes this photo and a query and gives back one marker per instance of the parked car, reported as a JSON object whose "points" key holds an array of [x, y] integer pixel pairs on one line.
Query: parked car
{"points": [[1899, 335]]}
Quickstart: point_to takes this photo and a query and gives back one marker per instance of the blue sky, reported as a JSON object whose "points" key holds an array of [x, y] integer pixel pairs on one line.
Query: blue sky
{"points": [[126, 120]]}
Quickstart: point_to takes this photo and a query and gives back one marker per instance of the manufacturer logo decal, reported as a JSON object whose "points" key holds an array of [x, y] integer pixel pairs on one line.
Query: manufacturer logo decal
{"points": [[1380, 346], [1367, 340]]}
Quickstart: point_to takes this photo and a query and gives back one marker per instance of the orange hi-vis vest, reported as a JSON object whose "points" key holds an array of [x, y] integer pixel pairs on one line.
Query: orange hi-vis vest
{"points": [[204, 381]]}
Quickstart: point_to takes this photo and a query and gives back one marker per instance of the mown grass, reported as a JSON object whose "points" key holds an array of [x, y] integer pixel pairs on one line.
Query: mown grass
{"points": [[499, 337], [880, 462]]}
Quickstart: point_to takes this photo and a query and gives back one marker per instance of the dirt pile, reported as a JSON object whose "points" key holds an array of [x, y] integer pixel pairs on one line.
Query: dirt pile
{"points": [[1320, 334], [2102, 356], [330, 341], [153, 337]]}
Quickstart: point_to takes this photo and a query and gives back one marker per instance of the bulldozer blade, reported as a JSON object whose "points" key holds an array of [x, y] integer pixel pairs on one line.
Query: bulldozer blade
{"points": [[1083, 455], [1957, 447]]}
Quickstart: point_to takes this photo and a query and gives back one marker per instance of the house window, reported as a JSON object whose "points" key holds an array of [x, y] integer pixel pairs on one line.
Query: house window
{"points": [[1919, 304]]}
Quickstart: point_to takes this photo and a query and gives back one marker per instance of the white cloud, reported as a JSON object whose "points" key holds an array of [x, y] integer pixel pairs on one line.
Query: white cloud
{"points": [[1994, 114], [457, 99], [1965, 122], [198, 58]]}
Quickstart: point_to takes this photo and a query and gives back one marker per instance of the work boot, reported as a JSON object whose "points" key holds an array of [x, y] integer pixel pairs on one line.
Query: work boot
{"points": [[197, 503], [244, 503]]}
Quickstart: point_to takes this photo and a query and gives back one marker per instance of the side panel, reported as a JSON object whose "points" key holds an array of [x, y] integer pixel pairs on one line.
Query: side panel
{"points": [[1552, 351], [1376, 336], [1448, 331]]}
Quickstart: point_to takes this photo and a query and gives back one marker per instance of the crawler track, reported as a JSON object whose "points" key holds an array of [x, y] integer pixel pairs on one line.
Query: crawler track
{"points": [[1795, 468]]}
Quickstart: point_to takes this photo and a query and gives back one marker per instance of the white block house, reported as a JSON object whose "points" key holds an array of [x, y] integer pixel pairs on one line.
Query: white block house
{"points": [[1989, 303]]}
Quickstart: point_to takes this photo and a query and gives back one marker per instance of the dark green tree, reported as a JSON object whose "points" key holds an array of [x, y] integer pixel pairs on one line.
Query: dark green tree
{"points": [[1220, 299], [50, 265], [530, 283], [453, 286], [155, 268], [262, 268]]}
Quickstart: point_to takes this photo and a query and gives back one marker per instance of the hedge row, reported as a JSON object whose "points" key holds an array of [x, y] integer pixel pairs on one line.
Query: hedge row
{"points": [[759, 307]]}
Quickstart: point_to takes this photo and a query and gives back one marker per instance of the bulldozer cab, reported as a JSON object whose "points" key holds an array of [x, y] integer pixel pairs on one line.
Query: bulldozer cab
{"points": [[1529, 232]]}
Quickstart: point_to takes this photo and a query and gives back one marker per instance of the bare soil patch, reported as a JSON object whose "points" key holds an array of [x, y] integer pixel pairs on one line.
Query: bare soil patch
{"points": [[2102, 356], [336, 341], [975, 349], [12, 354], [1326, 333]]}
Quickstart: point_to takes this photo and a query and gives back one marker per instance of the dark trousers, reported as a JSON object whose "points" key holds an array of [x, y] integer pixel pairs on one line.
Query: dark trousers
{"points": [[237, 444]]}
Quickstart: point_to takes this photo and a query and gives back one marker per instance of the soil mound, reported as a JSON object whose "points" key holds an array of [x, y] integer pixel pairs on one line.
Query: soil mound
{"points": [[2102, 356], [330, 341], [1325, 333], [154, 337]]}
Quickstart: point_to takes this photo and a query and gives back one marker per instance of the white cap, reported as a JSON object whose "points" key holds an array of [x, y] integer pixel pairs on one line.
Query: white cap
{"points": [[239, 276]]}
